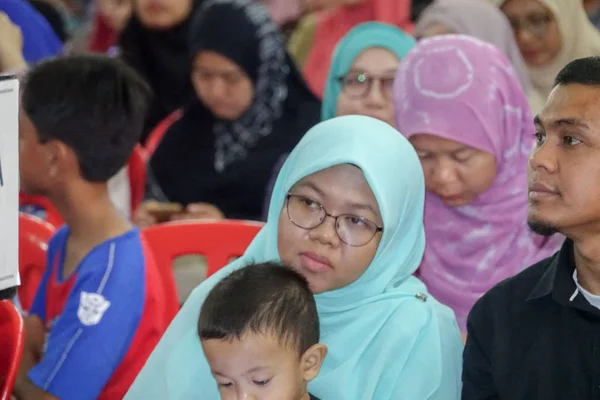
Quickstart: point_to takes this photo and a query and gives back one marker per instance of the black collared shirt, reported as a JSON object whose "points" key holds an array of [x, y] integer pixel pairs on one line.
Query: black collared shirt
{"points": [[534, 336]]}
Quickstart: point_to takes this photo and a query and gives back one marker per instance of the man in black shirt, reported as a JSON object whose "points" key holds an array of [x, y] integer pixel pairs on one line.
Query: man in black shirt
{"points": [[537, 335]]}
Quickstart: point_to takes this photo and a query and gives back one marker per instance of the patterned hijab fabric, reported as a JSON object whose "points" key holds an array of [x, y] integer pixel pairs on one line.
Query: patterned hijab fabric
{"points": [[259, 48], [481, 20], [462, 89]]}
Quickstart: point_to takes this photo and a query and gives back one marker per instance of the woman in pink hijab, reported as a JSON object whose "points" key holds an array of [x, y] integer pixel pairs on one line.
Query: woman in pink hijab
{"points": [[460, 103], [336, 19]]}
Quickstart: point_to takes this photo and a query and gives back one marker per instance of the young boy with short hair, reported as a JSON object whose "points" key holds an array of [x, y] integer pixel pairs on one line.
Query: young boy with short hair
{"points": [[99, 310], [259, 329]]}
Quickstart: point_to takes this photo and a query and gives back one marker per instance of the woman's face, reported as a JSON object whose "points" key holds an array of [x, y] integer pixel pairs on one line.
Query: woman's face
{"points": [[221, 85], [435, 29], [320, 254], [536, 31], [162, 14], [367, 87], [454, 172]]}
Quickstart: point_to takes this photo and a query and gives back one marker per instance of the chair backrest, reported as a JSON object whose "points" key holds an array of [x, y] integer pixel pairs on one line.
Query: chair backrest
{"points": [[136, 169], [51, 216], [34, 235], [157, 133], [12, 340], [218, 241]]}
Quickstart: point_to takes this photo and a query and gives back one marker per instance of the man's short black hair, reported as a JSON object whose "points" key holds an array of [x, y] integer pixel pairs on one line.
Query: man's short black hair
{"points": [[94, 104], [263, 298], [584, 71]]}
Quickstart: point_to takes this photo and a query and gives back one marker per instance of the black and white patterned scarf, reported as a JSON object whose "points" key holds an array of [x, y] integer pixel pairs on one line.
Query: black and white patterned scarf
{"points": [[268, 67]]}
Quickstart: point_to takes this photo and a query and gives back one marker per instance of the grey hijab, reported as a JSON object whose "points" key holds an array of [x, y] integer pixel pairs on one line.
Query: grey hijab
{"points": [[481, 20]]}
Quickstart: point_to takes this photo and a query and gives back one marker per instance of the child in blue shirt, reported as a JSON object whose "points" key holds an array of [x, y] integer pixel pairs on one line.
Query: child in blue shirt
{"points": [[99, 310]]}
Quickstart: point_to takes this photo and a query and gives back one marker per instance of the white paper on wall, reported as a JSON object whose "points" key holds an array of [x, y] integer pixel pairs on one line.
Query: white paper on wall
{"points": [[9, 182]]}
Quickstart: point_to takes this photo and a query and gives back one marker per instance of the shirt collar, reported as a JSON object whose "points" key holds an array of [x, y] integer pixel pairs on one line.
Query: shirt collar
{"points": [[558, 282]]}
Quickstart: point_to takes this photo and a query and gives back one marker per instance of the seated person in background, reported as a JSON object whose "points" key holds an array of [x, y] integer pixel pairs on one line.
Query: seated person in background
{"points": [[536, 335], [98, 312], [38, 41], [550, 34], [483, 21], [336, 18], [251, 106], [259, 330], [472, 130], [361, 77], [154, 42]]}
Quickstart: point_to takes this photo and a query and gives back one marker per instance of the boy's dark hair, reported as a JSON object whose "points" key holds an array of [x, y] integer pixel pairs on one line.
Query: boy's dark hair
{"points": [[263, 298], [94, 104], [584, 71]]}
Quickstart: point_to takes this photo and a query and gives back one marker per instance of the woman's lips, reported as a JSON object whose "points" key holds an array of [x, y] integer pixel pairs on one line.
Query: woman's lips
{"points": [[314, 262]]}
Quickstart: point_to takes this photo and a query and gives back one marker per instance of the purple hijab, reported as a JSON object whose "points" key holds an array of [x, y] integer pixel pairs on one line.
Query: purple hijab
{"points": [[462, 89]]}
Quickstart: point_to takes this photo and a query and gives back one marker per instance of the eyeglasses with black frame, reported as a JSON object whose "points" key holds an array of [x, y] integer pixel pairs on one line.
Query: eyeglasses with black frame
{"points": [[307, 213], [358, 85]]}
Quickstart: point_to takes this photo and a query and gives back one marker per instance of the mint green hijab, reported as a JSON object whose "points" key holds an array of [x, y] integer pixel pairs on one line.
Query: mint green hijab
{"points": [[385, 342], [357, 40]]}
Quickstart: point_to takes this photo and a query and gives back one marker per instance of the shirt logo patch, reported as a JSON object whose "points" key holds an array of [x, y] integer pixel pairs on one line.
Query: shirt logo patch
{"points": [[91, 308]]}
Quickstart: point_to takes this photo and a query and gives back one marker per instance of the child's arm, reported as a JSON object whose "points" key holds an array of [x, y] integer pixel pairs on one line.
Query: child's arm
{"points": [[35, 333], [32, 351], [26, 390]]}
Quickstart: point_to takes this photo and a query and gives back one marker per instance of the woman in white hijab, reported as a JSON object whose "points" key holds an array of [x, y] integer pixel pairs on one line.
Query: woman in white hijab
{"points": [[550, 34]]}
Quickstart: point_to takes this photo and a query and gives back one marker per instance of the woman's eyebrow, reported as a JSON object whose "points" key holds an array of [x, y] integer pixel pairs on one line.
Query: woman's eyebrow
{"points": [[363, 206], [310, 185]]}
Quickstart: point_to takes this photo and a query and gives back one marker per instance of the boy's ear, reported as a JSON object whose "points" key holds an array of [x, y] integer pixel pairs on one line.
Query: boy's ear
{"points": [[311, 361], [59, 158]]}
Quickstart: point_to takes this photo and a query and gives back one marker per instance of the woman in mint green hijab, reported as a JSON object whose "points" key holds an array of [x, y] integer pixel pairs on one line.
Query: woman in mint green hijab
{"points": [[362, 72], [354, 229]]}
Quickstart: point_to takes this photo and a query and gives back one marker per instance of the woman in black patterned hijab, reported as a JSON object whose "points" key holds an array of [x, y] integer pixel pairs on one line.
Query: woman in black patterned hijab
{"points": [[252, 107]]}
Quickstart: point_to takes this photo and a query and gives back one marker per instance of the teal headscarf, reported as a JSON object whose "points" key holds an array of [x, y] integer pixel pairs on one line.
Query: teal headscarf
{"points": [[386, 340], [357, 40]]}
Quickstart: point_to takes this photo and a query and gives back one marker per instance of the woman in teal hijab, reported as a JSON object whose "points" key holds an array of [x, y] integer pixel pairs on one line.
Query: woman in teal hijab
{"points": [[361, 77], [387, 338], [362, 72]]}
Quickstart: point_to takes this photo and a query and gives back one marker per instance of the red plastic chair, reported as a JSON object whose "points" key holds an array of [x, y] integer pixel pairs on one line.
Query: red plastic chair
{"points": [[218, 241], [53, 217], [34, 235], [157, 133], [136, 169], [12, 340]]}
